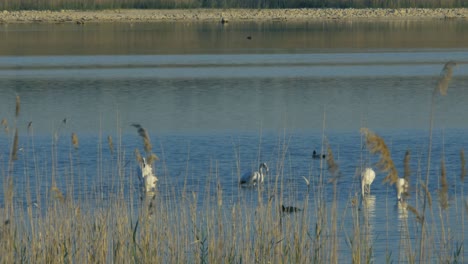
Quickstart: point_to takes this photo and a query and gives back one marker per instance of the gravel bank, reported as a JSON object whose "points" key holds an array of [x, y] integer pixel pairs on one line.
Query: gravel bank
{"points": [[80, 17]]}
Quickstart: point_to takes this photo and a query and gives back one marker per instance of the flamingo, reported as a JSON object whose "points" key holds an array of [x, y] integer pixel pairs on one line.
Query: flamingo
{"points": [[402, 186], [149, 179], [367, 177], [252, 178]]}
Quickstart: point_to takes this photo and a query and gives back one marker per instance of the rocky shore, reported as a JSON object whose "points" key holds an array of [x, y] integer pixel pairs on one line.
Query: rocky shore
{"points": [[228, 15]]}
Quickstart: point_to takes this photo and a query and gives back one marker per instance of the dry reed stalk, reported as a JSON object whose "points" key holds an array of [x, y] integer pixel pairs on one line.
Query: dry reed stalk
{"points": [[466, 206], [4, 123], [445, 77], [419, 217], [146, 140], [152, 158], [331, 164], [14, 152], [463, 168], [57, 193], [428, 194], [407, 170], [138, 156], [443, 192], [376, 145], [17, 109], [111, 144], [74, 139]]}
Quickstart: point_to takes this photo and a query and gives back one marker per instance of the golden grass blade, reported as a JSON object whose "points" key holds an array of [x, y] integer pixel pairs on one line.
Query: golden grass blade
{"points": [[111, 144], [5, 125], [75, 140], [14, 152], [445, 77], [376, 145], [443, 192], [17, 109], [428, 194]]}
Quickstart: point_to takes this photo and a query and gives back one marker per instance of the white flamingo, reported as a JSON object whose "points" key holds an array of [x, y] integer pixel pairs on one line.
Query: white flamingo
{"points": [[367, 177], [149, 180], [402, 186], [252, 178]]}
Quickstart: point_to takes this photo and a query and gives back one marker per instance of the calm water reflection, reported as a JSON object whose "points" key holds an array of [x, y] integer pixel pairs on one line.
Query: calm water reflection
{"points": [[211, 37], [211, 104]]}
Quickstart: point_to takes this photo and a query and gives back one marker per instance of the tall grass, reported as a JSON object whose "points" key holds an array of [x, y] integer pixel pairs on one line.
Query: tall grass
{"points": [[186, 227], [147, 4]]}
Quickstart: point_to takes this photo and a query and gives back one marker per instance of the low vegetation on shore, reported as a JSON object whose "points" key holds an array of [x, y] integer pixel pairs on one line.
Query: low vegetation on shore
{"points": [[158, 4]]}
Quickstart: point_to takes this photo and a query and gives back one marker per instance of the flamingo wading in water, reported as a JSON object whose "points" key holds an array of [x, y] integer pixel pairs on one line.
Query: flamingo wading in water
{"points": [[252, 178], [147, 176], [402, 186], [367, 177]]}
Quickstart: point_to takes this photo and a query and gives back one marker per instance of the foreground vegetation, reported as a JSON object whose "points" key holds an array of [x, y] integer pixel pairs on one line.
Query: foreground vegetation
{"points": [[147, 4], [58, 228]]}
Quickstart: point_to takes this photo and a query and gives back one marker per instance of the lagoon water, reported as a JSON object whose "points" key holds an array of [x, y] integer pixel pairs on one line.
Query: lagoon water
{"points": [[215, 104]]}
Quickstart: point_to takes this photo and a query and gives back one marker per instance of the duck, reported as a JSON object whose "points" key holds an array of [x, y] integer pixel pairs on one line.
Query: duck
{"points": [[316, 155]]}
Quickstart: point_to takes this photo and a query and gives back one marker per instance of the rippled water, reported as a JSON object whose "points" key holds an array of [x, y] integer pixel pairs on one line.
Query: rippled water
{"points": [[216, 104]]}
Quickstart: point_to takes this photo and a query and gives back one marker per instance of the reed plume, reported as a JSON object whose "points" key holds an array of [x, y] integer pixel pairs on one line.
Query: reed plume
{"points": [[14, 151], [445, 77], [376, 145], [111, 144], [17, 109], [74, 139], [419, 217], [443, 192], [138, 156], [150, 157], [57, 194], [463, 168], [146, 140]]}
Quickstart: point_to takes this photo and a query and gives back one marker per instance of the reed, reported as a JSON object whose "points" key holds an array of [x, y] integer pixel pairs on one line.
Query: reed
{"points": [[443, 191], [14, 150], [4, 123], [376, 145], [110, 143], [178, 226], [18, 106], [74, 140]]}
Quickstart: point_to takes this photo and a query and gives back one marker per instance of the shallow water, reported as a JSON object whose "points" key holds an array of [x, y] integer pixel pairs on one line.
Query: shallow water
{"points": [[216, 104]]}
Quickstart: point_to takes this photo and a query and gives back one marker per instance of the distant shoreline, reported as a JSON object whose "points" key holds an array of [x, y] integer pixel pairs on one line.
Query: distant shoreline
{"points": [[229, 15]]}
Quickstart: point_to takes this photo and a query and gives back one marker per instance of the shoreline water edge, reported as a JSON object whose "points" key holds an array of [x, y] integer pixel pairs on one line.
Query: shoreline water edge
{"points": [[227, 15]]}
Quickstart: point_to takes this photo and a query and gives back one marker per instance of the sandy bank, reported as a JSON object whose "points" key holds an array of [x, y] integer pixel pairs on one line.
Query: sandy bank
{"points": [[231, 15]]}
